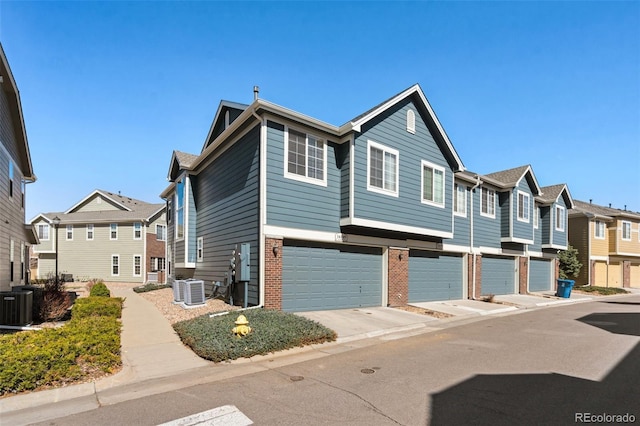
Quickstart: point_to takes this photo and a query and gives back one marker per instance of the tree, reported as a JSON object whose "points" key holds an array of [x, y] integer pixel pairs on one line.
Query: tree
{"points": [[569, 264]]}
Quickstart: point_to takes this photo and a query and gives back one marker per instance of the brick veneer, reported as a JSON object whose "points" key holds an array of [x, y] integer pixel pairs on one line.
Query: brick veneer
{"points": [[273, 274], [155, 248], [523, 274], [398, 277], [478, 276]]}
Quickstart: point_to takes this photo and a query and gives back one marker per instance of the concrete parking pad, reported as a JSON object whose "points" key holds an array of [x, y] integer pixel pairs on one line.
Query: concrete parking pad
{"points": [[458, 308]]}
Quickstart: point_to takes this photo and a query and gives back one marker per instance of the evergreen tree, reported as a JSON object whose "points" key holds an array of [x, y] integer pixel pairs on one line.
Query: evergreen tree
{"points": [[569, 263]]}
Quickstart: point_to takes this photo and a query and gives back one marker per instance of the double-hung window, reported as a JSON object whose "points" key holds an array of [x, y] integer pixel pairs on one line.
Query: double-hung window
{"points": [[43, 232], [382, 169], [536, 216], [523, 206], [460, 200], [306, 157], [89, 232], [432, 184], [10, 178], [137, 265], [626, 231], [488, 202], [559, 218], [200, 249], [161, 232], [180, 188], [115, 265], [137, 231], [69, 232], [113, 231], [599, 230]]}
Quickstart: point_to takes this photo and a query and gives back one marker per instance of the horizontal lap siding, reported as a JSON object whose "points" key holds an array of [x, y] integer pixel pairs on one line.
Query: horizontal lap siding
{"points": [[504, 206], [546, 219], [486, 230], [522, 230], [462, 225], [191, 227], [560, 237], [390, 130], [227, 194], [345, 182], [295, 204]]}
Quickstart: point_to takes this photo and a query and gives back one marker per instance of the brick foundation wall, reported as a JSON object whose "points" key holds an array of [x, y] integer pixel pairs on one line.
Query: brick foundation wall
{"points": [[523, 274], [273, 274], [398, 277]]}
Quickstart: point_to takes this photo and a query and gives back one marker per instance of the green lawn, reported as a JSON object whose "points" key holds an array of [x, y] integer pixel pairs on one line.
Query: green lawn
{"points": [[604, 291]]}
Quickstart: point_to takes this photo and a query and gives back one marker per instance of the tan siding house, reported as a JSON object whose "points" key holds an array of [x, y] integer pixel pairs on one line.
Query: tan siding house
{"points": [[106, 236], [608, 242], [15, 172]]}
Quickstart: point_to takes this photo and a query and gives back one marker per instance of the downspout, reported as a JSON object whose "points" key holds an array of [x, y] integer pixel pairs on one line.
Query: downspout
{"points": [[473, 254], [260, 224]]}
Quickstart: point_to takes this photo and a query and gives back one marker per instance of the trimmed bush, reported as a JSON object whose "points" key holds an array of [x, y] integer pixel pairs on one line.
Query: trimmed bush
{"points": [[150, 287], [97, 306], [212, 339], [85, 346], [100, 290]]}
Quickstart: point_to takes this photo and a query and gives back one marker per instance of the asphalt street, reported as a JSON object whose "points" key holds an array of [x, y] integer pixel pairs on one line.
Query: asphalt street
{"points": [[554, 365]]}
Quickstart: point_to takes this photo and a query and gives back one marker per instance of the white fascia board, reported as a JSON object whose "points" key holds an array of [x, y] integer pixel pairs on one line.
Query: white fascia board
{"points": [[300, 234], [516, 240], [622, 253], [156, 212], [489, 250], [599, 258], [41, 215], [455, 248], [554, 246], [97, 191], [368, 223]]}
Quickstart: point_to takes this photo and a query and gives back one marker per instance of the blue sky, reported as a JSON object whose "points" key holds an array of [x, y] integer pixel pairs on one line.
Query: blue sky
{"points": [[110, 89]]}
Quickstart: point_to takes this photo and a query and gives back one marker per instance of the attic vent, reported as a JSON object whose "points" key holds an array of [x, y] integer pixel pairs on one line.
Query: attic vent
{"points": [[411, 121]]}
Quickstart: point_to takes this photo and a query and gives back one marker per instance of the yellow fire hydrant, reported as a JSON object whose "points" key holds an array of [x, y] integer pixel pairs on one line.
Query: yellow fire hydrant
{"points": [[242, 326]]}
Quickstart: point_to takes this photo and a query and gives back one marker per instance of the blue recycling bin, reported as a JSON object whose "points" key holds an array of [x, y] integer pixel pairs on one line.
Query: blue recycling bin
{"points": [[564, 288]]}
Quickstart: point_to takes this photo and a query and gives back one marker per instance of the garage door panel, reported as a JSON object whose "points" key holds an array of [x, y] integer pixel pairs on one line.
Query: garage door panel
{"points": [[435, 276], [322, 276], [540, 278], [635, 275], [498, 275]]}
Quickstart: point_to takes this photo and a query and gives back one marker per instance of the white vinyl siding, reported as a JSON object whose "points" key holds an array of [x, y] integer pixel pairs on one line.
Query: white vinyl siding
{"points": [[523, 206], [382, 169], [432, 184]]}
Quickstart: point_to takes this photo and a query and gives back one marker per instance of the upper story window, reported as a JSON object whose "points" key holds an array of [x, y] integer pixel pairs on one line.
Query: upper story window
{"points": [[113, 231], [200, 249], [43, 232], [10, 178], [305, 157], [626, 230], [89, 232], [460, 200], [161, 232], [598, 228], [69, 232], [536, 216], [411, 121], [180, 189], [432, 184], [169, 209], [523, 206], [488, 202], [137, 231], [382, 169], [559, 218]]}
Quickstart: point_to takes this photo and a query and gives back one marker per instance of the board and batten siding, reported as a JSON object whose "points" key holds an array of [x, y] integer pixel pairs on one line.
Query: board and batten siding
{"points": [[227, 194], [296, 204], [11, 210], [390, 130]]}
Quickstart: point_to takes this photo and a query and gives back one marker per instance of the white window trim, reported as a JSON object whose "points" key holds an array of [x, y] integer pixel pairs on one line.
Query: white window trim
{"points": [[411, 121], [111, 265], [90, 229], [164, 233], [134, 265], [200, 249], [625, 222], [177, 237], [536, 216], [66, 232], [110, 236], [306, 179], [556, 210], [528, 198], [595, 230], [372, 144], [490, 215], [134, 231], [444, 183], [44, 225], [455, 204]]}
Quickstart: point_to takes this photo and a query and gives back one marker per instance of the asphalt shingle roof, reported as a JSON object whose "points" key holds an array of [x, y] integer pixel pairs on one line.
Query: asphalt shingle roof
{"points": [[595, 209], [509, 177]]}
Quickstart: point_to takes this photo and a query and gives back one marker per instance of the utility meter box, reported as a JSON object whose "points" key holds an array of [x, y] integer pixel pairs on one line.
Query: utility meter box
{"points": [[243, 263]]}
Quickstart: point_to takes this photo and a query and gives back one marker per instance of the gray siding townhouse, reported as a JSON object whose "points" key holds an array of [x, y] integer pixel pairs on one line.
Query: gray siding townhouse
{"points": [[378, 211], [15, 172], [105, 235]]}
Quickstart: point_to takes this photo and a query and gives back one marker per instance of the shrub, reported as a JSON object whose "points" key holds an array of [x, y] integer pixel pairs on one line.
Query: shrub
{"points": [[100, 289], [150, 287], [569, 264], [86, 345], [97, 306], [212, 339], [51, 301]]}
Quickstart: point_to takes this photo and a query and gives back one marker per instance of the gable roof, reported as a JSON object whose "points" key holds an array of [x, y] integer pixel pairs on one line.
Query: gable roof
{"points": [[218, 125], [180, 161], [129, 210], [510, 178], [550, 195], [9, 86], [582, 208]]}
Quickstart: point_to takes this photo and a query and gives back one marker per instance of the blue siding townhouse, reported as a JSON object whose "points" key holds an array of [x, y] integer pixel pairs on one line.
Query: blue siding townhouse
{"points": [[379, 211]]}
